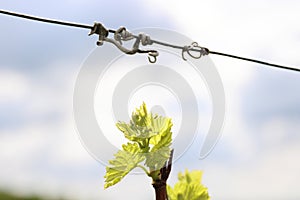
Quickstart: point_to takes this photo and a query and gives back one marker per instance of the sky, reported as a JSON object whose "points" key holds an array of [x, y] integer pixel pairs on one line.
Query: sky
{"points": [[257, 156]]}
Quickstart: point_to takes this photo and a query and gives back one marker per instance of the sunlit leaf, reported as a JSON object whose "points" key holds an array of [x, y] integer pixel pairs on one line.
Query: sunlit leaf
{"points": [[188, 187], [139, 128], [125, 161], [141, 117], [161, 141], [135, 133], [151, 138]]}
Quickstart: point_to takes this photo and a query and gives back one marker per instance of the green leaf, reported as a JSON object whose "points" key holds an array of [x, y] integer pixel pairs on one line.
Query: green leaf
{"points": [[151, 136], [156, 159], [161, 141], [188, 187], [139, 129], [135, 133], [125, 161], [141, 117], [189, 177], [161, 127]]}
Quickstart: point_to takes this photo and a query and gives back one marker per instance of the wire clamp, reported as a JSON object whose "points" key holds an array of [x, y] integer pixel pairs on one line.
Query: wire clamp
{"points": [[196, 48], [100, 30], [121, 35]]}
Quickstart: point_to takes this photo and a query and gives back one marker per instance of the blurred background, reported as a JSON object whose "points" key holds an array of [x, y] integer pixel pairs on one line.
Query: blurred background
{"points": [[257, 157]]}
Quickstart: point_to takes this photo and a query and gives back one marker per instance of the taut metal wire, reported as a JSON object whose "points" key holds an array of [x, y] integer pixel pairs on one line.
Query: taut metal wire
{"points": [[122, 35]]}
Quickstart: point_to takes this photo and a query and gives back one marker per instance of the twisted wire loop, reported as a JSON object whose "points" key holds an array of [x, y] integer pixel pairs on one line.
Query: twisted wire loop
{"points": [[121, 35], [202, 51]]}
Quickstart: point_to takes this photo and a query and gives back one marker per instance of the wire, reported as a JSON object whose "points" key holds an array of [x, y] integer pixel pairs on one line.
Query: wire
{"points": [[255, 61], [232, 56], [51, 21], [183, 48]]}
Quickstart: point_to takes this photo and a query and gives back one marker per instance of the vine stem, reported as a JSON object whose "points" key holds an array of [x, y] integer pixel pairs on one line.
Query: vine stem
{"points": [[144, 169], [160, 185]]}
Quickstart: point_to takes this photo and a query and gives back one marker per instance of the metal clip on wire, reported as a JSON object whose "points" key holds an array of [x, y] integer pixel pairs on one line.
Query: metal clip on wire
{"points": [[101, 31], [194, 47], [123, 35]]}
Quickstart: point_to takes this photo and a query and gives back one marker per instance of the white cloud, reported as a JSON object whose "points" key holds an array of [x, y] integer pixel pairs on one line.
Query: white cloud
{"points": [[13, 85], [264, 176]]}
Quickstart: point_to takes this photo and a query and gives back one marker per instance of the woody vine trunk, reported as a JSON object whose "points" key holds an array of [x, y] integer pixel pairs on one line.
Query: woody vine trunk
{"points": [[160, 185]]}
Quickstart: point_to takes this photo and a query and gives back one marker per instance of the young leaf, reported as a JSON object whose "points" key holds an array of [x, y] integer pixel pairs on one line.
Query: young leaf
{"points": [[161, 141], [141, 117], [188, 187], [135, 133], [139, 129], [125, 161], [151, 137]]}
